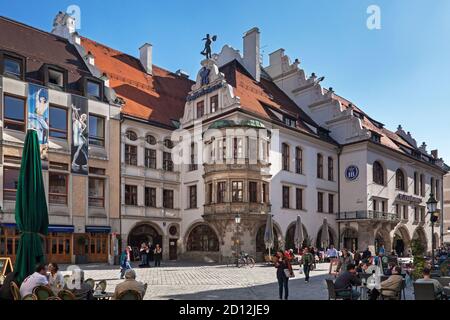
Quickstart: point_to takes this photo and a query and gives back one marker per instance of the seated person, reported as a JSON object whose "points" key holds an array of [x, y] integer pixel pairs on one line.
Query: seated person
{"points": [[55, 279], [391, 285], [38, 278], [5, 290], [427, 279], [81, 289], [346, 280], [130, 283]]}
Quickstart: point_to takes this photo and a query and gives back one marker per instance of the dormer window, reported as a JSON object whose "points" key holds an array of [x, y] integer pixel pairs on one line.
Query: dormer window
{"points": [[56, 77], [289, 121], [375, 137], [93, 88], [12, 66]]}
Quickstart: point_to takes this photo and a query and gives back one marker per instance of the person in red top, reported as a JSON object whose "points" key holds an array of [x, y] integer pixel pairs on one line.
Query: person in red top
{"points": [[284, 271]]}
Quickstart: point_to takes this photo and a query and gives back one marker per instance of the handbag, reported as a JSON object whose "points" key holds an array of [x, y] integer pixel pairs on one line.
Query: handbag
{"points": [[288, 273]]}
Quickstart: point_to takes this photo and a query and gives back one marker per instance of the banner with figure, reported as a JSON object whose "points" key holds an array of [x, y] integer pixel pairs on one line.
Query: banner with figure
{"points": [[79, 108], [38, 117]]}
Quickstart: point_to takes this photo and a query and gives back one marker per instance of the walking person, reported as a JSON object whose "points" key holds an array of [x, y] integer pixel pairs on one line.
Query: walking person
{"points": [[307, 262], [284, 272], [158, 255], [125, 261]]}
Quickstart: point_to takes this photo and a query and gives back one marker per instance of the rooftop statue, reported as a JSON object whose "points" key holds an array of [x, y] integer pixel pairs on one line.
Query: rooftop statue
{"points": [[208, 41]]}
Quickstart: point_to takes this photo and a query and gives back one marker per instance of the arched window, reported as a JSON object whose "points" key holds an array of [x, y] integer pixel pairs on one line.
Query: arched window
{"points": [[378, 173], [298, 160], [131, 135], [168, 143], [319, 166], [285, 156], [202, 238], [400, 180], [150, 139]]}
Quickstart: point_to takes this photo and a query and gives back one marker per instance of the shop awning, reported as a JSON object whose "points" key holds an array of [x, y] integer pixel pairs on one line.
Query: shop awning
{"points": [[98, 229], [61, 228]]}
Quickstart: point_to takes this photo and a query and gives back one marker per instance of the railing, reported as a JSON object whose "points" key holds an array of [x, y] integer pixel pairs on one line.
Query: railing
{"points": [[367, 215]]}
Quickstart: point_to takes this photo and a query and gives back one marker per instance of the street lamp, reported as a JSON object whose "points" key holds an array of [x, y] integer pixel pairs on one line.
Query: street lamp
{"points": [[431, 206], [237, 219]]}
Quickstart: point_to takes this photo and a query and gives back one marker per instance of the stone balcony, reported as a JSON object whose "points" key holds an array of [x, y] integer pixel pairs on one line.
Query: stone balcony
{"points": [[367, 215], [236, 207], [238, 165], [150, 212]]}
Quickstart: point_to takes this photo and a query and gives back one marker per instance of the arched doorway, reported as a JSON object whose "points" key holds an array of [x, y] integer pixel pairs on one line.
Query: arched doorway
{"points": [[350, 239], [261, 246], [143, 233], [331, 236], [290, 234], [382, 239], [401, 241], [202, 238]]}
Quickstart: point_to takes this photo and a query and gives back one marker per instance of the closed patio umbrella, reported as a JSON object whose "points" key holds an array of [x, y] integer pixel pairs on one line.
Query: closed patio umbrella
{"points": [[325, 236], [298, 235], [268, 233], [31, 209]]}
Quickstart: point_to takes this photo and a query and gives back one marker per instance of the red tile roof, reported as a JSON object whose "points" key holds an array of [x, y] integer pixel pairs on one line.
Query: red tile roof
{"points": [[159, 97]]}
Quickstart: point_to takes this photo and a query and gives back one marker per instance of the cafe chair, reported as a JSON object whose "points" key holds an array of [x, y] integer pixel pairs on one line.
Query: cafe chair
{"points": [[129, 295], [90, 282], [101, 285], [425, 291], [336, 294], [66, 295], [43, 292], [30, 297], [14, 290], [53, 298]]}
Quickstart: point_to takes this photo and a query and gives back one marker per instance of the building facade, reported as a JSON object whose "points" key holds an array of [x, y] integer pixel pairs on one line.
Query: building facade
{"points": [[40, 67], [446, 222]]}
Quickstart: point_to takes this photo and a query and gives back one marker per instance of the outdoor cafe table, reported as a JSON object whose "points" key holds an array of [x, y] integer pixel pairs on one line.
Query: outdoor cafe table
{"points": [[103, 295]]}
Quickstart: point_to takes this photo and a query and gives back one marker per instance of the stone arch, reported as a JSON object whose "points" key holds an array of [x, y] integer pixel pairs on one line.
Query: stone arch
{"points": [[290, 233], [419, 234], [332, 234], [202, 237], [401, 241], [145, 231], [349, 238], [278, 238], [197, 223], [382, 237]]}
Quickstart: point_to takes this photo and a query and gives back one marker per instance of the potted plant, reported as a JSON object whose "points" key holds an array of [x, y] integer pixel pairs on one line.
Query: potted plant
{"points": [[81, 258], [419, 262]]}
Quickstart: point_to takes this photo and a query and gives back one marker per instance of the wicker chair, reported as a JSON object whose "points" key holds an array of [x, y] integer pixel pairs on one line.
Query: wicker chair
{"points": [[53, 298], [90, 282], [43, 292], [425, 291], [101, 285], [336, 294], [30, 296], [14, 290], [129, 295], [66, 295]]}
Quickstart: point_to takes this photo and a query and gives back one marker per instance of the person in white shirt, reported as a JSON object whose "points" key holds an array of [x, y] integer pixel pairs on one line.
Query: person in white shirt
{"points": [[38, 278], [332, 252], [55, 278]]}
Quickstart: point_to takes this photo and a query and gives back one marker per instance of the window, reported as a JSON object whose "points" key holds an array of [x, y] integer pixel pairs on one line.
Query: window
{"points": [[378, 173], [150, 139], [209, 193], [405, 212], [375, 137], [131, 155], [168, 143], [330, 169], [400, 180], [131, 135], [130, 195], [319, 201], [416, 214], [285, 156], [93, 89], [265, 192], [14, 113], [223, 147], [56, 78], [397, 210], [96, 130], [221, 189], [200, 109], [286, 201], [150, 158], [298, 160], [96, 192], [167, 161], [319, 166], [150, 197], [58, 122], [202, 238], [57, 188], [416, 183], [432, 186], [383, 206], [214, 103], [299, 199], [422, 185], [193, 164], [12, 67], [238, 148], [289, 121], [253, 192], [237, 191], [375, 205], [168, 199], [422, 214], [10, 183], [192, 197], [330, 203]]}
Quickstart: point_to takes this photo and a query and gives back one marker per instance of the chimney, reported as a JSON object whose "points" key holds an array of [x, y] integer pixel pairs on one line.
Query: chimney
{"points": [[145, 55], [434, 153], [89, 57], [252, 60]]}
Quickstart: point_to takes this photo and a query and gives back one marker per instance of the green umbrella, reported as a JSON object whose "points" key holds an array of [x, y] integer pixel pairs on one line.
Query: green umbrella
{"points": [[31, 209]]}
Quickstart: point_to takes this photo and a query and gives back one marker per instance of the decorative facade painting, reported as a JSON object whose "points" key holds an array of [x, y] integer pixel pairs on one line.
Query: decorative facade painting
{"points": [[79, 135], [38, 105]]}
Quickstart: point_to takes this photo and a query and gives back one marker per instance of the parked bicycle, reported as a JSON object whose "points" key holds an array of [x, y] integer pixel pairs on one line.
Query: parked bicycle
{"points": [[244, 259]]}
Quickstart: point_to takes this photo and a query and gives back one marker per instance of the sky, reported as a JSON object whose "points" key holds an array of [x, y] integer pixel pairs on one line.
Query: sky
{"points": [[398, 74]]}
